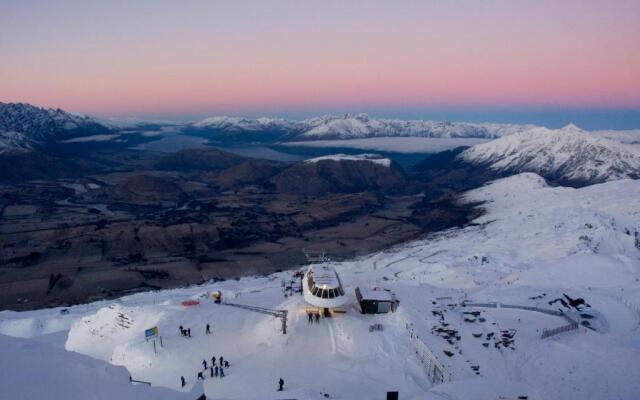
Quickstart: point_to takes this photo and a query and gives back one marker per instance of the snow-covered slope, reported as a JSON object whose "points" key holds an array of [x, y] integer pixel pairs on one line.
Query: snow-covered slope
{"points": [[534, 245], [630, 136], [34, 370], [567, 155], [24, 127]]}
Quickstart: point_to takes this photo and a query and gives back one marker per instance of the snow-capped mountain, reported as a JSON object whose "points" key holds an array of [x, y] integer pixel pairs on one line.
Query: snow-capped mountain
{"points": [[239, 124], [356, 126], [568, 155], [362, 126], [24, 127]]}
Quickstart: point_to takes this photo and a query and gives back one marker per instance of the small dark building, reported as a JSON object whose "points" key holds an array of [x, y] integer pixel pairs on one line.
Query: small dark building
{"points": [[374, 301]]}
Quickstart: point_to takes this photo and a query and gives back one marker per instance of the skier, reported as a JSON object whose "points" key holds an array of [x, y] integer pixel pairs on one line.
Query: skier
{"points": [[182, 381], [208, 330], [216, 371], [189, 332], [221, 372], [310, 317], [200, 376], [181, 330], [213, 360], [221, 360], [280, 385], [226, 364], [211, 370], [204, 364]]}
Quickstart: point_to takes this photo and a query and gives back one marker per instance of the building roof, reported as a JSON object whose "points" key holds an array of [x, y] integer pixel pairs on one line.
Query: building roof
{"points": [[325, 275], [375, 294]]}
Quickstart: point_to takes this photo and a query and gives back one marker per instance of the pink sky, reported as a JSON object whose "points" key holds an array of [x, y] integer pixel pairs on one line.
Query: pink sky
{"points": [[184, 57]]}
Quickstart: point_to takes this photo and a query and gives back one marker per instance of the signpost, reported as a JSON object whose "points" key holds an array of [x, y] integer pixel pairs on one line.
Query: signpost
{"points": [[152, 333]]}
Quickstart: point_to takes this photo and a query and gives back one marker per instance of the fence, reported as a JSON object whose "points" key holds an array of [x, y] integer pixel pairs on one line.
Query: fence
{"points": [[561, 329], [434, 369], [527, 308], [634, 307], [573, 325], [139, 382]]}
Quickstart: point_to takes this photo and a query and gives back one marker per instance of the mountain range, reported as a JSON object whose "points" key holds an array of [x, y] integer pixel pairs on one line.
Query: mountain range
{"points": [[356, 127], [564, 156]]}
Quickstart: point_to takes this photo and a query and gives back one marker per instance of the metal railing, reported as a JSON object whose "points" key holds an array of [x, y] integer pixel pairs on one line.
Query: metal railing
{"points": [[434, 369], [561, 329]]}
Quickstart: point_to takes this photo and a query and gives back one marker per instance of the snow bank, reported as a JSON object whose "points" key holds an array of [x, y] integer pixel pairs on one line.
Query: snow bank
{"points": [[32, 370]]}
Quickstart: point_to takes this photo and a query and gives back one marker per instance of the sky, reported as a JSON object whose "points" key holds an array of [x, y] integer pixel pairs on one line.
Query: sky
{"points": [[541, 61]]}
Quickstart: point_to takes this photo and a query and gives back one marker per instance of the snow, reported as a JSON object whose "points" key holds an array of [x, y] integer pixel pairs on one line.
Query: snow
{"points": [[406, 145], [36, 370], [569, 153], [535, 244], [631, 136], [373, 158], [373, 294]]}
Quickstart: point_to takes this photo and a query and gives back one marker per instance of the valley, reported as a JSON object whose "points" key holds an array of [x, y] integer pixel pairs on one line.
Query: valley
{"points": [[151, 220]]}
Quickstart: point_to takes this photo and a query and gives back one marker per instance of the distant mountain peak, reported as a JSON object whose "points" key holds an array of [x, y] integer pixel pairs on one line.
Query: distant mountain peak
{"points": [[572, 127]]}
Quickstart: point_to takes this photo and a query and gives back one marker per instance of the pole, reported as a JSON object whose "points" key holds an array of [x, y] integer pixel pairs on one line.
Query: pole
{"points": [[154, 346], [284, 322], [161, 345]]}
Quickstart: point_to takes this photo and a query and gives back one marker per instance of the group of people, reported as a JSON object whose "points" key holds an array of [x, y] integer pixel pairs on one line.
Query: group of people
{"points": [[185, 332], [214, 370], [313, 316]]}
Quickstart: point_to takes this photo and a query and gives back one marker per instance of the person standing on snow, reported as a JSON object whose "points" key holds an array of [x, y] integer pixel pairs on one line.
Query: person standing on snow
{"points": [[213, 360], [182, 381], [200, 376], [221, 372], [280, 385], [211, 369], [208, 330], [204, 364], [221, 359], [216, 371]]}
